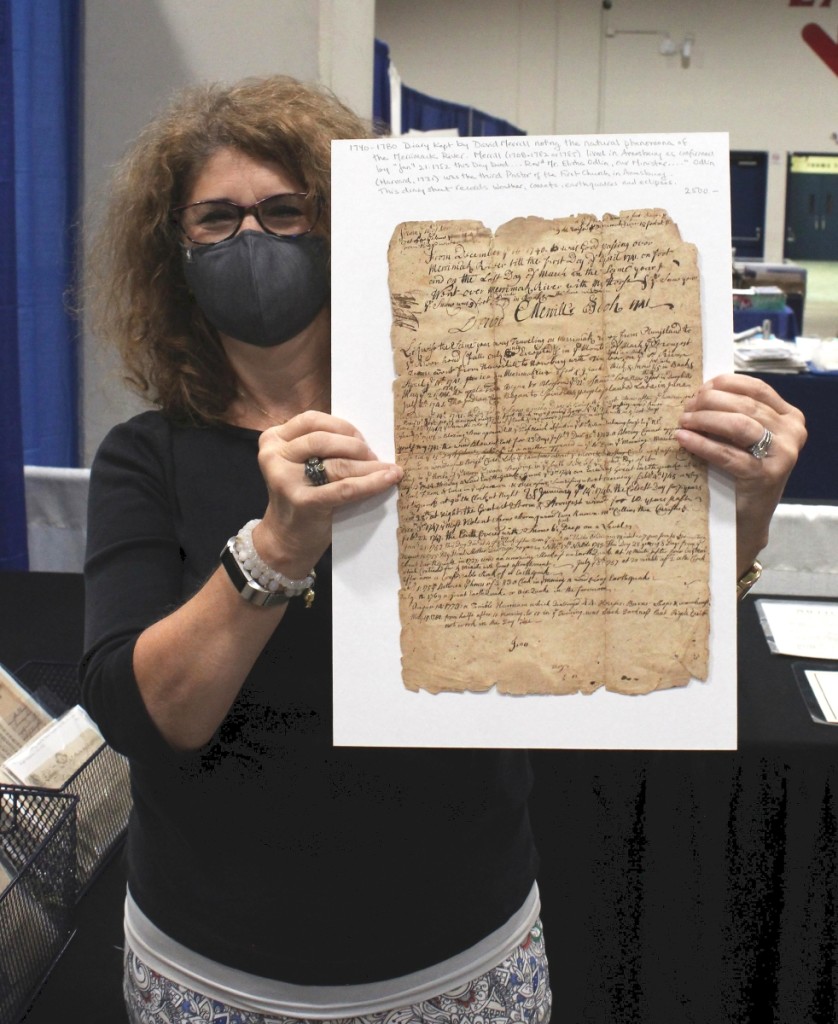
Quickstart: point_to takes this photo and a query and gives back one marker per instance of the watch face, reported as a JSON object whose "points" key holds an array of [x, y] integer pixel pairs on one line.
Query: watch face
{"points": [[247, 587]]}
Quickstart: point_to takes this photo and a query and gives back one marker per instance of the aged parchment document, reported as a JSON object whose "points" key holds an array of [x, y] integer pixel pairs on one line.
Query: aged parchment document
{"points": [[553, 537]]}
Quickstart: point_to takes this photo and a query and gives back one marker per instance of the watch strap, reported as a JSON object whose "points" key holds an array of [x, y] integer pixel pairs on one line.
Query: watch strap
{"points": [[245, 585]]}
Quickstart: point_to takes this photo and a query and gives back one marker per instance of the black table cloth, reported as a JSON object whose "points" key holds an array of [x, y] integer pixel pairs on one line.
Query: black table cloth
{"points": [[676, 886], [685, 886]]}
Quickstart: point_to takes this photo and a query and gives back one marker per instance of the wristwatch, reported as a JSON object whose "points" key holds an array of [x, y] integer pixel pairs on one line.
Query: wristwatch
{"points": [[253, 591]]}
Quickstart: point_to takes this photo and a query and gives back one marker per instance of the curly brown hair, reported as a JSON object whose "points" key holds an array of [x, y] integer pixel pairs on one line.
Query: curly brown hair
{"points": [[137, 298]]}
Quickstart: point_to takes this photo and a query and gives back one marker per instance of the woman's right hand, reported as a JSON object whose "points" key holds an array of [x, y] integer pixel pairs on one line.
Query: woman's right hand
{"points": [[297, 526], [191, 664]]}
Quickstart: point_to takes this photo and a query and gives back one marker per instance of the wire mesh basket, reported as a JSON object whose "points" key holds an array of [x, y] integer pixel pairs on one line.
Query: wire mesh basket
{"points": [[102, 783], [38, 885]]}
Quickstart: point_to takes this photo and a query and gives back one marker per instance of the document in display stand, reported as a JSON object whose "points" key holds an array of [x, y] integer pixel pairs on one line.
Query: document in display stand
{"points": [[807, 629], [21, 716], [21, 719], [818, 684], [57, 752]]}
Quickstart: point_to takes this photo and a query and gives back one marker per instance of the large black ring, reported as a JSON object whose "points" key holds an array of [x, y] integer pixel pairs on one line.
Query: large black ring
{"points": [[316, 471]]}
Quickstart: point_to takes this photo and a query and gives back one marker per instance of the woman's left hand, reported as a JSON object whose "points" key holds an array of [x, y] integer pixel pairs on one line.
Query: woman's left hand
{"points": [[720, 424]]}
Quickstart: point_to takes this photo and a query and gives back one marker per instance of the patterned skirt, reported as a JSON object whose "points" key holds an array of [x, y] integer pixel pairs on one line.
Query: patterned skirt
{"points": [[516, 991]]}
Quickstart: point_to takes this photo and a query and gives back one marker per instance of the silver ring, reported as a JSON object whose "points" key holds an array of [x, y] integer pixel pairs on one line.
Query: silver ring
{"points": [[316, 471], [760, 449]]}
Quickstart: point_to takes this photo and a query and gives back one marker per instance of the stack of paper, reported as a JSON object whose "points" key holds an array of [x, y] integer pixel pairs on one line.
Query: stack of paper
{"points": [[768, 356]]}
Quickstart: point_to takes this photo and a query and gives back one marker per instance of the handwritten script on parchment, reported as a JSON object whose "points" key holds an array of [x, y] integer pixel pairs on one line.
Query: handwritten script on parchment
{"points": [[553, 536]]}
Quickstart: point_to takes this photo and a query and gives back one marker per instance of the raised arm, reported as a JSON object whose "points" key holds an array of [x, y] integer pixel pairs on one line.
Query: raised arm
{"points": [[189, 663]]}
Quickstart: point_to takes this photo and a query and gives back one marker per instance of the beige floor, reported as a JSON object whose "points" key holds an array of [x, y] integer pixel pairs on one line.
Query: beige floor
{"points": [[820, 314]]}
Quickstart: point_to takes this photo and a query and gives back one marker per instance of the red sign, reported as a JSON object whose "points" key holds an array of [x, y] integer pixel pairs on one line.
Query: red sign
{"points": [[823, 44]]}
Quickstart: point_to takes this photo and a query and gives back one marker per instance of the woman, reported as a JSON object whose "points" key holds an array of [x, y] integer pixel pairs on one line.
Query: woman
{"points": [[272, 876]]}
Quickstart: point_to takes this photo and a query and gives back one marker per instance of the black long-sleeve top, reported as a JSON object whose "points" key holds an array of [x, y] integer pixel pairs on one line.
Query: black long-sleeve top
{"points": [[270, 850]]}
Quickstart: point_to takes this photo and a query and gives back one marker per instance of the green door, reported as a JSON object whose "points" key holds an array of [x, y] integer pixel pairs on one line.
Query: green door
{"points": [[812, 207]]}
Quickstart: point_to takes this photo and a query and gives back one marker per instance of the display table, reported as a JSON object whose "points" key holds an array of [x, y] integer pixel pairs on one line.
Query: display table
{"points": [[697, 886], [677, 887]]}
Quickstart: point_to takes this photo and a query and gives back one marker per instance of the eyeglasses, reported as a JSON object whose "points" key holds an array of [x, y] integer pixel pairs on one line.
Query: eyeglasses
{"points": [[214, 220]]}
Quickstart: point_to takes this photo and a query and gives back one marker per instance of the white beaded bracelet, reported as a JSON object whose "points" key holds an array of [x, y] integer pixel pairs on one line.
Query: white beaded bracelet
{"points": [[259, 571]]}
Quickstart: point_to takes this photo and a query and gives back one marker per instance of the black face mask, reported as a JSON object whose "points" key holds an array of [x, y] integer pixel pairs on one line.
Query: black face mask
{"points": [[259, 288]]}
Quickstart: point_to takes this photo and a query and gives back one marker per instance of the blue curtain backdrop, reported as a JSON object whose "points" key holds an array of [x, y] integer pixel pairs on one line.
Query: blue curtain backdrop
{"points": [[46, 44], [39, 104], [426, 113], [381, 86], [12, 509], [485, 124]]}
